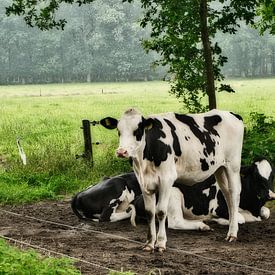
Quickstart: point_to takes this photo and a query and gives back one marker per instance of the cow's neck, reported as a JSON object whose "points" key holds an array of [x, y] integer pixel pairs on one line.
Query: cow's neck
{"points": [[249, 200]]}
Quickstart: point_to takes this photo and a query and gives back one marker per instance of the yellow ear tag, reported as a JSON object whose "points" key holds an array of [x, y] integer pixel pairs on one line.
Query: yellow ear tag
{"points": [[107, 121]]}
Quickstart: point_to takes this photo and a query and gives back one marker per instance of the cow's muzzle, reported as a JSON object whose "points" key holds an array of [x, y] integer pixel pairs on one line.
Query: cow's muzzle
{"points": [[271, 195], [122, 153]]}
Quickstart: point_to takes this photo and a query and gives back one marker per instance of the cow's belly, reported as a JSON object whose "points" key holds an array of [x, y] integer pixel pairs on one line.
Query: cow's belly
{"points": [[192, 170], [192, 177]]}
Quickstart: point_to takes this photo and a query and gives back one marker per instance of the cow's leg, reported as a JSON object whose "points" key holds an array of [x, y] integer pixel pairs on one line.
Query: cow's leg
{"points": [[175, 214], [221, 221], [248, 217], [108, 211], [222, 180], [150, 209], [230, 184], [234, 184], [161, 212], [106, 214], [119, 216]]}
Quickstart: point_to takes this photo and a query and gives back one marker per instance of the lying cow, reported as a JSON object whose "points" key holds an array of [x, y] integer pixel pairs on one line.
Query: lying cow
{"points": [[107, 200], [191, 148], [189, 205]]}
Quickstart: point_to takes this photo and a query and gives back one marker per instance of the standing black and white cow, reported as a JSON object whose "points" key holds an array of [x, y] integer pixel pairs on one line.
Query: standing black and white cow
{"points": [[190, 205], [171, 146], [107, 200]]}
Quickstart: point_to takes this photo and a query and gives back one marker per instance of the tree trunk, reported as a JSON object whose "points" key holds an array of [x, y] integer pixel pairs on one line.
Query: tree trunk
{"points": [[210, 84], [88, 77]]}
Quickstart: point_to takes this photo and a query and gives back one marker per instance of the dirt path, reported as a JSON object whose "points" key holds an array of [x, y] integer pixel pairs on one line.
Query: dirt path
{"points": [[255, 246]]}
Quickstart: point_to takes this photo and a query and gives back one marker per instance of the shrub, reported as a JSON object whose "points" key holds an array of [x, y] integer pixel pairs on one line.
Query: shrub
{"points": [[259, 138]]}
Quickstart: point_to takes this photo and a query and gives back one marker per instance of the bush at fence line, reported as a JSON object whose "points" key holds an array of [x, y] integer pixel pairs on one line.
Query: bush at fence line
{"points": [[259, 138]]}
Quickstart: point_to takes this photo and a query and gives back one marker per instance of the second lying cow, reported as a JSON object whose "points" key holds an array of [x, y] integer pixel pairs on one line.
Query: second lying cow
{"points": [[190, 205]]}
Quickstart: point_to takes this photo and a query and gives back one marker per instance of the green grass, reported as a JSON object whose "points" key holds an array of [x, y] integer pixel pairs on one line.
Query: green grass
{"points": [[256, 95], [18, 262], [49, 128]]}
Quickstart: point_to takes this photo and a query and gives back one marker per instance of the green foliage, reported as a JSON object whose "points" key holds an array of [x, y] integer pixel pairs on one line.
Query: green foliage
{"points": [[266, 12], [42, 16], [178, 37], [14, 261], [259, 138]]}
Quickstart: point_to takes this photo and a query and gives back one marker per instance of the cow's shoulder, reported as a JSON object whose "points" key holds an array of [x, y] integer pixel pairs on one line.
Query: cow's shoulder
{"points": [[156, 150]]}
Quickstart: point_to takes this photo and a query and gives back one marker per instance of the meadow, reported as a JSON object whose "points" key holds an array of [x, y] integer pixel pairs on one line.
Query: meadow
{"points": [[47, 118]]}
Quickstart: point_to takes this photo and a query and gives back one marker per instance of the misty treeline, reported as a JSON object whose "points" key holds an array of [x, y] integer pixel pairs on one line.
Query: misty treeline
{"points": [[248, 53], [102, 42]]}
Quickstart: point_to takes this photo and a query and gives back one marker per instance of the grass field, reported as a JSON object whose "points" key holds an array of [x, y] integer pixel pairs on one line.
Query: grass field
{"points": [[47, 118]]}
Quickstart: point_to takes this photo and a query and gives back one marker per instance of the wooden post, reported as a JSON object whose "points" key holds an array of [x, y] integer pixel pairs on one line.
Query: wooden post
{"points": [[88, 149]]}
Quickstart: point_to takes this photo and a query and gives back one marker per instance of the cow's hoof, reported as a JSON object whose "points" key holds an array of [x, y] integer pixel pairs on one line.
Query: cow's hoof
{"points": [[161, 249], [231, 239], [148, 248], [204, 227]]}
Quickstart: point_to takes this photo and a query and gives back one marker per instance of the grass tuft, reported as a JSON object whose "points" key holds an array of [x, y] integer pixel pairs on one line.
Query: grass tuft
{"points": [[14, 261]]}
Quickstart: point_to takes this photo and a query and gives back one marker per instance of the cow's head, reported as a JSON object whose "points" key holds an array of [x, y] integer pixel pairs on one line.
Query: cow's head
{"points": [[261, 175], [130, 130]]}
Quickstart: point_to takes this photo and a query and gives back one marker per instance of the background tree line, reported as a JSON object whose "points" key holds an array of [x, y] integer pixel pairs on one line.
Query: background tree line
{"points": [[249, 54], [102, 42]]}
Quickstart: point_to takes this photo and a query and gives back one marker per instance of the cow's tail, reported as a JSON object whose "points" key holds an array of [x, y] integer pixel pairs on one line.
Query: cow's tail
{"points": [[75, 209], [133, 214]]}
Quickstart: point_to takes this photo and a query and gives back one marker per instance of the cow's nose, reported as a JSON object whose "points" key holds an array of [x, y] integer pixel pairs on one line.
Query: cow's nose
{"points": [[121, 153]]}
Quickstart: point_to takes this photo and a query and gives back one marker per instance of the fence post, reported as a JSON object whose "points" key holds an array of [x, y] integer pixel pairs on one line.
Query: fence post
{"points": [[88, 149]]}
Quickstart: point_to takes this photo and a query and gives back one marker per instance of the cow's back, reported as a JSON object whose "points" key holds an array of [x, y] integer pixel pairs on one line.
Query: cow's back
{"points": [[207, 141]]}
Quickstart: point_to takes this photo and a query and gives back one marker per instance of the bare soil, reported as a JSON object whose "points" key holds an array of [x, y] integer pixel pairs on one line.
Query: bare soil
{"points": [[188, 252]]}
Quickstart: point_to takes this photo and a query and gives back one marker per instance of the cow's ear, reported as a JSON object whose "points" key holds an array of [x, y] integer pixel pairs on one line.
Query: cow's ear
{"points": [[148, 123], [109, 122]]}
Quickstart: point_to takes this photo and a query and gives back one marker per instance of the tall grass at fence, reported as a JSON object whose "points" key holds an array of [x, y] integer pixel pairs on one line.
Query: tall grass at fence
{"points": [[47, 118]]}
